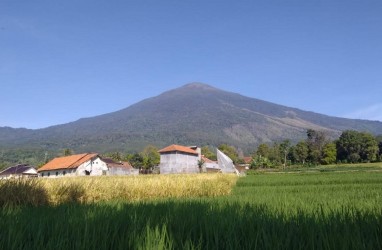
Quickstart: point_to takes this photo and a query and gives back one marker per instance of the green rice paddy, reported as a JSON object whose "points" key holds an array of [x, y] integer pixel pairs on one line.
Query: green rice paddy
{"points": [[314, 210]]}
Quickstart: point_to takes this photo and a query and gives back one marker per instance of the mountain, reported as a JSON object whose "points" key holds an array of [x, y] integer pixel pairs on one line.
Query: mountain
{"points": [[194, 114]]}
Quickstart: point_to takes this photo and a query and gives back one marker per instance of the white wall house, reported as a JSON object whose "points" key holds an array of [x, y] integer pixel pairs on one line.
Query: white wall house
{"points": [[74, 165], [179, 159], [18, 171]]}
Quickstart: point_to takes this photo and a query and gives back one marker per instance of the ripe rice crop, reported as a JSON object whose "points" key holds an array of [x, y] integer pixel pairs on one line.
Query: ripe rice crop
{"points": [[123, 188]]}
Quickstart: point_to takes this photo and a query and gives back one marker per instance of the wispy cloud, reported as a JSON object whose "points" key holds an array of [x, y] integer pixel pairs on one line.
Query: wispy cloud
{"points": [[373, 112]]}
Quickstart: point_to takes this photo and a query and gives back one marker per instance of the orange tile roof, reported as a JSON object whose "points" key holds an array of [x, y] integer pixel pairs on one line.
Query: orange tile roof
{"points": [[67, 162], [173, 148]]}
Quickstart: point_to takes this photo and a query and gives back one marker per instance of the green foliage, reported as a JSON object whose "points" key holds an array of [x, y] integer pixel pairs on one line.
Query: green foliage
{"points": [[115, 156], [316, 141], [136, 160], [33, 157], [151, 157], [300, 152], [284, 151], [329, 154], [68, 151], [354, 146], [263, 150], [259, 161], [206, 151]]}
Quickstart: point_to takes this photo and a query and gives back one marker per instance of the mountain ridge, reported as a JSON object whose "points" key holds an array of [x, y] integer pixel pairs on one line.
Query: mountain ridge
{"points": [[195, 113]]}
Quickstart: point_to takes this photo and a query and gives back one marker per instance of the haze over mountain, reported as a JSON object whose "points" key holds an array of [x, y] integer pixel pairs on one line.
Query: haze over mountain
{"points": [[196, 114]]}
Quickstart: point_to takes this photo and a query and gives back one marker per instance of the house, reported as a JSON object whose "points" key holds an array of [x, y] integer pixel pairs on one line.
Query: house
{"points": [[74, 165], [179, 159], [119, 168], [210, 166], [19, 171]]}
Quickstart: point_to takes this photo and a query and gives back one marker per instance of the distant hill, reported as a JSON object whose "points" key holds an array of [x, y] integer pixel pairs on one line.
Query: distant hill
{"points": [[194, 114]]}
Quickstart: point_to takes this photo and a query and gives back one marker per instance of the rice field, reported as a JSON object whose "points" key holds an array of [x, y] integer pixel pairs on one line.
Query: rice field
{"points": [[111, 188], [321, 210]]}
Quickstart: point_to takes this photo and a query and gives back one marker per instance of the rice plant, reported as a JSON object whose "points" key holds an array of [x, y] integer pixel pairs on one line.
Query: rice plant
{"points": [[266, 211]]}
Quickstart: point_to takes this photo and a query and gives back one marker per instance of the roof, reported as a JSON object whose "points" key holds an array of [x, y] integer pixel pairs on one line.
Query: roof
{"points": [[206, 160], [178, 148], [112, 164], [67, 162], [247, 159], [18, 169]]}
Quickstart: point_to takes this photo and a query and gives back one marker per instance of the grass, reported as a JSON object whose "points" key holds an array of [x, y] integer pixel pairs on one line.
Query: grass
{"points": [[362, 167], [320, 210]]}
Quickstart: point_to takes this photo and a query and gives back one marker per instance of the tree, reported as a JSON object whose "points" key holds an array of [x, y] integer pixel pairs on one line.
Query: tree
{"points": [[316, 141], [115, 156], [260, 161], [206, 151], [68, 151], [263, 150], [284, 150], [274, 155], [379, 140], [300, 152], [369, 147], [136, 160], [354, 146], [200, 165], [329, 154], [151, 157]]}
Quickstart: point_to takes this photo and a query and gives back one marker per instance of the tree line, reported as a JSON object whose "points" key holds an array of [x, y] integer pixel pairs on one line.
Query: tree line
{"points": [[351, 147]]}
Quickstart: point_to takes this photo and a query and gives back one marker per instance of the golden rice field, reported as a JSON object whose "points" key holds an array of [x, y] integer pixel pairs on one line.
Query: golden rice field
{"points": [[126, 188]]}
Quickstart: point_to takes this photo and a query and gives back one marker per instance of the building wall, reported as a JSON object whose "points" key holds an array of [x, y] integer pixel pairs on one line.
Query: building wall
{"points": [[178, 162], [96, 167], [26, 174], [212, 165], [122, 171], [57, 173]]}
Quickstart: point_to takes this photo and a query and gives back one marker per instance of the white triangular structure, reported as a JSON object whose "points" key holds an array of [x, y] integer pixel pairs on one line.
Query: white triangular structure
{"points": [[225, 163]]}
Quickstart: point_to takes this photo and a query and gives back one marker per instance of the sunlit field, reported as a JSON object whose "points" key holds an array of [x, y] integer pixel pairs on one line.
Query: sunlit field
{"points": [[312, 210]]}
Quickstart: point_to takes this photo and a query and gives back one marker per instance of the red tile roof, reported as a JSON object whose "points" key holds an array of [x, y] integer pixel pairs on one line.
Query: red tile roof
{"points": [[178, 148], [247, 159], [67, 162]]}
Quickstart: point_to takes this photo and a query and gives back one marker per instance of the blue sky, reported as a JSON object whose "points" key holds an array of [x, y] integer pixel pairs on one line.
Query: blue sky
{"points": [[64, 60]]}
